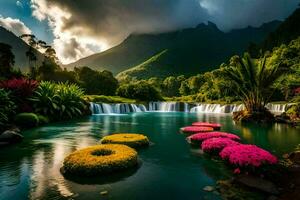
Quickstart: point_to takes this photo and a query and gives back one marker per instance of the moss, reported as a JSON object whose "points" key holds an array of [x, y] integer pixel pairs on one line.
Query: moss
{"points": [[27, 120], [107, 99], [129, 139], [100, 159]]}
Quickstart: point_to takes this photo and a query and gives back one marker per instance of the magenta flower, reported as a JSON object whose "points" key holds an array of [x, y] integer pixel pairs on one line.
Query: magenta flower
{"points": [[200, 137], [237, 171], [247, 155], [196, 129], [215, 126], [217, 144]]}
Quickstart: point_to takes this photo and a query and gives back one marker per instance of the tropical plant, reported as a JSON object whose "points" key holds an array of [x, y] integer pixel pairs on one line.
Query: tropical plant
{"points": [[7, 108], [253, 80], [58, 101], [7, 60]]}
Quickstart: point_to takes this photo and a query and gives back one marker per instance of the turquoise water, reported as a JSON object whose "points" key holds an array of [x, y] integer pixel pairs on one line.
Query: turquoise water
{"points": [[170, 168]]}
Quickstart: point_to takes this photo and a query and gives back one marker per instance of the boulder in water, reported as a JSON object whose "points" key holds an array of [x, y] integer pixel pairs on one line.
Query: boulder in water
{"points": [[10, 137]]}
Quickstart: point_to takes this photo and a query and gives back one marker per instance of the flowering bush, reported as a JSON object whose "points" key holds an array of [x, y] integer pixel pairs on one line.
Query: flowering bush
{"points": [[247, 155], [215, 126], [100, 159], [129, 139], [214, 145], [22, 87], [196, 129], [200, 137]]}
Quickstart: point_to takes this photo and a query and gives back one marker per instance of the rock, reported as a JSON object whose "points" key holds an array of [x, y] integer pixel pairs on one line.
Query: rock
{"points": [[295, 157], [104, 192], [258, 183], [10, 137], [208, 188]]}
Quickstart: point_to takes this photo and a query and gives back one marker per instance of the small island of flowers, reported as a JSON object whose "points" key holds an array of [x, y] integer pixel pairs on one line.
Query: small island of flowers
{"points": [[100, 159], [130, 139]]}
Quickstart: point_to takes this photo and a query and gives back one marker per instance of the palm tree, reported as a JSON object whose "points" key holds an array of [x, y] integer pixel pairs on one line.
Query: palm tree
{"points": [[254, 80]]}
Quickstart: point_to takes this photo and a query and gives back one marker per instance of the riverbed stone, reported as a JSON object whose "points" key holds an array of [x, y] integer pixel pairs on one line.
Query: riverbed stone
{"points": [[208, 188], [258, 183], [10, 137], [295, 157]]}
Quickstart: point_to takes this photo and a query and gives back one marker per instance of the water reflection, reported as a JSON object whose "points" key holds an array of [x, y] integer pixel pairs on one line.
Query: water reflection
{"points": [[31, 170]]}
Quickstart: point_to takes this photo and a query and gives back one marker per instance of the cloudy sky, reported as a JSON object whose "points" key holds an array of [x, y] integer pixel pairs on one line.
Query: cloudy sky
{"points": [[78, 28]]}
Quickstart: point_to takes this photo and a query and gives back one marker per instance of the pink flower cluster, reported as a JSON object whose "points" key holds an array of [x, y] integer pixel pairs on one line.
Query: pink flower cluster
{"points": [[247, 155], [199, 137], [196, 129], [217, 144], [207, 124]]}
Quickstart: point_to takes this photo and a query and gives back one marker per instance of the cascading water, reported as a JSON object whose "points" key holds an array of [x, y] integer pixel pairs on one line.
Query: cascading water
{"points": [[168, 106], [216, 108], [276, 108], [104, 108]]}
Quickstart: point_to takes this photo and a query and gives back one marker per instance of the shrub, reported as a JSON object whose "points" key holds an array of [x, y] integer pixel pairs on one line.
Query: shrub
{"points": [[294, 111], [7, 108], [200, 137], [43, 120], [27, 120], [21, 88], [100, 159], [129, 139], [58, 101], [247, 156], [215, 145], [140, 90]]}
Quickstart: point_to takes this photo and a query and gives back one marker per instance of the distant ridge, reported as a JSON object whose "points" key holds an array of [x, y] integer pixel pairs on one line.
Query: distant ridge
{"points": [[189, 51], [19, 48]]}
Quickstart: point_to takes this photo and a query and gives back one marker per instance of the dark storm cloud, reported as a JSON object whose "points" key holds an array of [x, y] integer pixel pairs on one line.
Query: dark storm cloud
{"points": [[110, 21]]}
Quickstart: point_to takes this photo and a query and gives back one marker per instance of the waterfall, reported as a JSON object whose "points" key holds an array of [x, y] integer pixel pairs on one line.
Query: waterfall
{"points": [[276, 108], [216, 108], [164, 106], [104, 108]]}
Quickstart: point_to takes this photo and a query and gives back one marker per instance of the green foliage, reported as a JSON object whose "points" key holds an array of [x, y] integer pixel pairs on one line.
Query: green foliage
{"points": [[253, 80], [140, 90], [27, 120], [294, 111], [95, 82], [43, 119], [107, 99], [7, 108], [59, 101], [171, 86]]}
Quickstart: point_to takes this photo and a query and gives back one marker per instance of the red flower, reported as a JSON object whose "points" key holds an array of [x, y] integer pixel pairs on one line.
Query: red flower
{"points": [[200, 137], [247, 155], [212, 125], [217, 144], [237, 171], [20, 87], [196, 129]]}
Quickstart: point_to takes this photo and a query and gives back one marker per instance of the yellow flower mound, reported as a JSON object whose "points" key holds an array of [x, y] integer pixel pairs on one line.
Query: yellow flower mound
{"points": [[100, 159], [129, 139]]}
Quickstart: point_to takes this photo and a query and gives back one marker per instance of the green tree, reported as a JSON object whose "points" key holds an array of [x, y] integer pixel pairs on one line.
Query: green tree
{"points": [[253, 80], [7, 60]]}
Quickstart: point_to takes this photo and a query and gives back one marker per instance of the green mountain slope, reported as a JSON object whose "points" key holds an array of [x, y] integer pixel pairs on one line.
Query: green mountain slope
{"points": [[196, 51], [286, 32], [19, 48], [189, 50]]}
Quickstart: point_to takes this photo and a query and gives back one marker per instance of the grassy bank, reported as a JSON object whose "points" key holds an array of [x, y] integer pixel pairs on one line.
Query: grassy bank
{"points": [[108, 99]]}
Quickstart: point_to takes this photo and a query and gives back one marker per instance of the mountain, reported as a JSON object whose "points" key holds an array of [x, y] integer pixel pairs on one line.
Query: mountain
{"points": [[285, 33], [188, 51], [198, 50], [19, 48]]}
